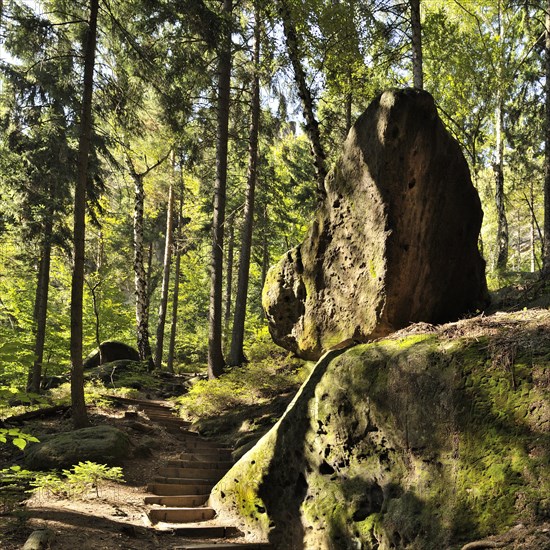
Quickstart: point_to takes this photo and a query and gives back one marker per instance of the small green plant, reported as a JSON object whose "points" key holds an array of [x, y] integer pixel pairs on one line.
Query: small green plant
{"points": [[78, 480], [18, 438]]}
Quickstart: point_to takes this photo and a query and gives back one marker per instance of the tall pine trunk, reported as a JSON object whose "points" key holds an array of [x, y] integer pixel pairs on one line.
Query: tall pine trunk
{"points": [[546, 243], [41, 306], [237, 356], [165, 277], [216, 361], [416, 27], [230, 225], [265, 246], [78, 404], [175, 295], [312, 125]]}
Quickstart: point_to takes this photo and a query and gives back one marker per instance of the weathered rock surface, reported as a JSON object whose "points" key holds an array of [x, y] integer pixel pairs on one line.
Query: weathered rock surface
{"points": [[111, 350], [101, 444], [420, 441], [394, 242]]}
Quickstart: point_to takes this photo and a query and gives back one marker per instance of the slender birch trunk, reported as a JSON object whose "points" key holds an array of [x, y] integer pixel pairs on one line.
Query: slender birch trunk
{"points": [[140, 281], [312, 125], [165, 277], [498, 169], [175, 295]]}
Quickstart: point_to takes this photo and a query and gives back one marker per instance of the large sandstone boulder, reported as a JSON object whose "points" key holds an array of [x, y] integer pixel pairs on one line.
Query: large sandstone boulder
{"points": [[111, 350], [394, 242], [416, 442], [101, 444]]}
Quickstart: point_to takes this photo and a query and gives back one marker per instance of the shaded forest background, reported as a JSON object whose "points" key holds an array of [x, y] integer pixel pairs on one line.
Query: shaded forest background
{"points": [[199, 171]]}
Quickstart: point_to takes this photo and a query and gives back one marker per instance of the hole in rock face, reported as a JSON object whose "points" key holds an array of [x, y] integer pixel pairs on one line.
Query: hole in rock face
{"points": [[325, 469], [371, 503], [336, 203], [412, 183]]}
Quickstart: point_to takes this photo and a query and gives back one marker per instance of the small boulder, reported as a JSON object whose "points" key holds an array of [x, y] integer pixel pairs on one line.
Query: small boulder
{"points": [[101, 444], [394, 241], [111, 350]]}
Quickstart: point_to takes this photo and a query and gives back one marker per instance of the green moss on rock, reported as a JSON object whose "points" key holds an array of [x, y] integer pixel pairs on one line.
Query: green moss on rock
{"points": [[420, 442], [101, 444]]}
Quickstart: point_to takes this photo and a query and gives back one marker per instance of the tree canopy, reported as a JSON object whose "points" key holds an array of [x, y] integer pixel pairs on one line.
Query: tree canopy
{"points": [[236, 111]]}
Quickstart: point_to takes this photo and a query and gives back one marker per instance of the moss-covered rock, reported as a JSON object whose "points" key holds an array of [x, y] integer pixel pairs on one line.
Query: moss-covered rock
{"points": [[415, 442], [101, 444], [393, 242]]}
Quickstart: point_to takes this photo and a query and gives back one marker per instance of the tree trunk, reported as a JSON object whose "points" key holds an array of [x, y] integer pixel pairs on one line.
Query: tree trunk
{"points": [[230, 224], [546, 243], [312, 125], [416, 27], [498, 167], [142, 310], [216, 361], [149, 276], [532, 239], [165, 277], [237, 356], [41, 306], [175, 296], [265, 249], [79, 413]]}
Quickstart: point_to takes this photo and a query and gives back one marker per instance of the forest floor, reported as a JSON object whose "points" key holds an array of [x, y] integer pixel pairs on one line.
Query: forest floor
{"points": [[117, 518]]}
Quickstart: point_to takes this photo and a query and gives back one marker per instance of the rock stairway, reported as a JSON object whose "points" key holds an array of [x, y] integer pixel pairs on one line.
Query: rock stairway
{"points": [[180, 492]]}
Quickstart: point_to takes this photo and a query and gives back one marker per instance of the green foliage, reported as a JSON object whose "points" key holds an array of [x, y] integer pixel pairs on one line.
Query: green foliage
{"points": [[95, 393], [271, 373], [78, 480], [17, 437]]}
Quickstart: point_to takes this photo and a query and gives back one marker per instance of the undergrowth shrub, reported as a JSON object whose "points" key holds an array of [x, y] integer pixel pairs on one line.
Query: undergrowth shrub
{"points": [[254, 383], [95, 393], [78, 480]]}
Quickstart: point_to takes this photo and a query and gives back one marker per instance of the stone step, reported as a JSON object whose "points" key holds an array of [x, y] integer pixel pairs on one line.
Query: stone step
{"points": [[168, 418], [168, 413], [206, 531], [141, 402], [224, 546], [206, 456], [192, 473], [193, 442], [177, 500], [184, 481], [196, 464], [183, 489], [180, 515]]}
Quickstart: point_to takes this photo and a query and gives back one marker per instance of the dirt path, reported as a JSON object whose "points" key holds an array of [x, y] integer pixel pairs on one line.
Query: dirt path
{"points": [[118, 518]]}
